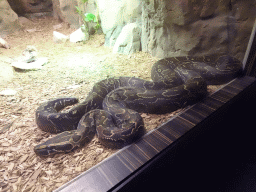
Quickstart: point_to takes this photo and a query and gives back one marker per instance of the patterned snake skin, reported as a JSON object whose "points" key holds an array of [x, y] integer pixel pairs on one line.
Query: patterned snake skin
{"points": [[111, 109]]}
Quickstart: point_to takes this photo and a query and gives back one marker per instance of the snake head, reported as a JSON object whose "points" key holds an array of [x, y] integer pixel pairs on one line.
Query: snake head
{"points": [[44, 150], [58, 144], [47, 150]]}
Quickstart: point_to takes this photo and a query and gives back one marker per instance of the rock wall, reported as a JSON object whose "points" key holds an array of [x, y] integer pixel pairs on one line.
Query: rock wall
{"points": [[22, 7], [163, 28], [115, 15], [8, 19], [184, 27], [181, 27], [65, 10]]}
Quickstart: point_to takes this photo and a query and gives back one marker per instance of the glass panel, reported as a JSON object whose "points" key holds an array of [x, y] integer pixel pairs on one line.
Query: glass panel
{"points": [[117, 38]]}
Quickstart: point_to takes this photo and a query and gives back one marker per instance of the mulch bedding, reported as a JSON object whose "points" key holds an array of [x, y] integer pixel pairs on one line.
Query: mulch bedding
{"points": [[72, 71]]}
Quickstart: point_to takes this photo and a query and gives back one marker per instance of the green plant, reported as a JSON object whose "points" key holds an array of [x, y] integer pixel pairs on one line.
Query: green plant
{"points": [[87, 17]]}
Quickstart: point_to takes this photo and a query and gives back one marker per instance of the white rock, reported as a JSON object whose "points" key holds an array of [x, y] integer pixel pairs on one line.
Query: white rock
{"points": [[129, 39], [73, 86], [77, 36], [59, 37], [4, 44], [37, 64], [8, 92], [117, 12]]}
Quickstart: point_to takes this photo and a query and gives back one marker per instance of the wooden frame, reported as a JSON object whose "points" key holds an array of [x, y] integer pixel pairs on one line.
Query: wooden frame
{"points": [[249, 62]]}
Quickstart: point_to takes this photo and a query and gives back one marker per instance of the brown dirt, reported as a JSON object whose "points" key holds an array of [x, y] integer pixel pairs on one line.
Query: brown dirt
{"points": [[72, 71]]}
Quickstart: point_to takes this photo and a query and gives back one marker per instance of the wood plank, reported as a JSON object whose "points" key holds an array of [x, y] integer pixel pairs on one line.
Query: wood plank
{"points": [[192, 116], [222, 96], [212, 103], [126, 163], [250, 54], [129, 160]]}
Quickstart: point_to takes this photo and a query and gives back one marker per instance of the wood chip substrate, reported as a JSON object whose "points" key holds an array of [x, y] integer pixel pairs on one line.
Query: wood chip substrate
{"points": [[72, 71]]}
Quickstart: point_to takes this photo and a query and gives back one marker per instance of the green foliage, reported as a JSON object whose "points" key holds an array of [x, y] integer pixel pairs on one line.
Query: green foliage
{"points": [[88, 17], [78, 10]]}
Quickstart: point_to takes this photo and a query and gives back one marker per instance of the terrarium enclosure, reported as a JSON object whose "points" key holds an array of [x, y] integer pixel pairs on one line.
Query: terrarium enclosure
{"points": [[62, 48]]}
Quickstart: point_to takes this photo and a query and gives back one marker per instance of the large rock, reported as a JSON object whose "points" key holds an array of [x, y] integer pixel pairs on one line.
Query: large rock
{"points": [[196, 28], [129, 39], [159, 35], [183, 12], [243, 15], [112, 35], [184, 27], [8, 19], [22, 7], [66, 11], [118, 12], [115, 14], [169, 27]]}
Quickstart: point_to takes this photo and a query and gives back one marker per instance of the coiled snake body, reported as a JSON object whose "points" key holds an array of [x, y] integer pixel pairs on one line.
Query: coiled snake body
{"points": [[111, 108]]}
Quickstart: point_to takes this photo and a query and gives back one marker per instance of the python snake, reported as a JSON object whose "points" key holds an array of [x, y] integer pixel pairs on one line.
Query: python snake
{"points": [[111, 109]]}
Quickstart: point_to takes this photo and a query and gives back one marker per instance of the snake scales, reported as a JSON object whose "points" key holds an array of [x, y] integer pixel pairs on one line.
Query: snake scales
{"points": [[111, 108]]}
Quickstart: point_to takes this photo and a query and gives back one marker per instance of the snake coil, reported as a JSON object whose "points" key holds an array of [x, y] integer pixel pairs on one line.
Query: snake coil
{"points": [[111, 109]]}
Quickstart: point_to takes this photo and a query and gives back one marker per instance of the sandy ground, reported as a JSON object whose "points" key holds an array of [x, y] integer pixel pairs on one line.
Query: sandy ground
{"points": [[72, 71]]}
